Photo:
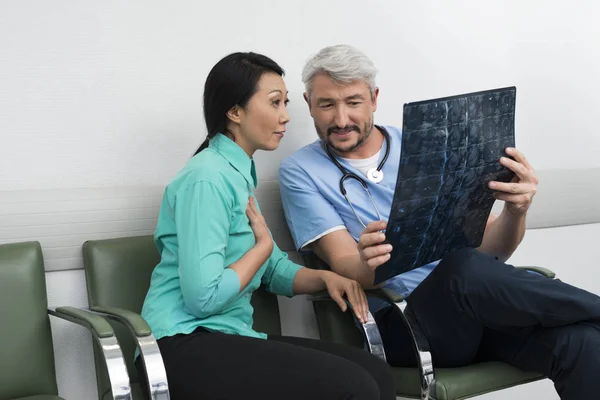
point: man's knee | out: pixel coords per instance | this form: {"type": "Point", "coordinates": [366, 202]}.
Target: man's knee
{"type": "Point", "coordinates": [466, 263]}
{"type": "Point", "coordinates": [579, 348]}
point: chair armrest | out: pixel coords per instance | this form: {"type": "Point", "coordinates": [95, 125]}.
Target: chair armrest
{"type": "Point", "coordinates": [422, 353]}
{"type": "Point", "coordinates": [540, 270]}
{"type": "Point", "coordinates": [369, 329]}
{"type": "Point", "coordinates": [321, 295]}
{"type": "Point", "coordinates": [388, 295]}
{"type": "Point", "coordinates": [133, 321]}
{"type": "Point", "coordinates": [385, 294]}
{"type": "Point", "coordinates": [94, 323]}
{"type": "Point", "coordinates": [104, 335]}
{"type": "Point", "coordinates": [427, 376]}
{"type": "Point", "coordinates": [149, 352]}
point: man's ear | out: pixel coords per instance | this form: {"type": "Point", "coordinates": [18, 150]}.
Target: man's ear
{"type": "Point", "coordinates": [234, 114]}
{"type": "Point", "coordinates": [307, 100]}
{"type": "Point", "coordinates": [374, 98]}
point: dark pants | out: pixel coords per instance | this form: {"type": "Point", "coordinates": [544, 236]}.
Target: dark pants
{"type": "Point", "coordinates": [473, 307]}
{"type": "Point", "coordinates": [205, 365]}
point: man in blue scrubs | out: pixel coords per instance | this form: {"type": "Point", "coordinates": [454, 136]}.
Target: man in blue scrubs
{"type": "Point", "coordinates": [471, 306]}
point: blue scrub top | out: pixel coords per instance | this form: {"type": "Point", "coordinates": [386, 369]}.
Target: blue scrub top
{"type": "Point", "coordinates": [314, 205]}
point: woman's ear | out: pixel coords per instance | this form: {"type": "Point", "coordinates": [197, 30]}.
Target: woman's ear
{"type": "Point", "coordinates": [234, 114]}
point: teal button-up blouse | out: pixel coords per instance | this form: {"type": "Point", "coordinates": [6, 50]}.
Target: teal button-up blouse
{"type": "Point", "coordinates": [202, 229]}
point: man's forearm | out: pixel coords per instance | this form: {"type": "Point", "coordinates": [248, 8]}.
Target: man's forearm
{"type": "Point", "coordinates": [352, 267]}
{"type": "Point", "coordinates": [348, 265]}
{"type": "Point", "coordinates": [343, 254]}
{"type": "Point", "coordinates": [503, 235]}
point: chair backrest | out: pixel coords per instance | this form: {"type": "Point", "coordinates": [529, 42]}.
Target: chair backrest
{"type": "Point", "coordinates": [26, 352]}
{"type": "Point", "coordinates": [118, 274]}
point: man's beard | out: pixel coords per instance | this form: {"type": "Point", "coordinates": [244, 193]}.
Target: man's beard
{"type": "Point", "coordinates": [362, 135]}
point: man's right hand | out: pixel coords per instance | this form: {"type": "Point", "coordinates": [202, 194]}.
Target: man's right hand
{"type": "Point", "coordinates": [372, 251]}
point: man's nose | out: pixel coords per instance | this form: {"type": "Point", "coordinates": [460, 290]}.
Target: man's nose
{"type": "Point", "coordinates": [341, 117]}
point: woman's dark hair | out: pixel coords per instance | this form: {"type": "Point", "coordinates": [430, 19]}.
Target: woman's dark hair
{"type": "Point", "coordinates": [232, 81]}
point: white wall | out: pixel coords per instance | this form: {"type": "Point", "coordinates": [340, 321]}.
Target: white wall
{"type": "Point", "coordinates": [100, 93]}
{"type": "Point", "coordinates": [108, 93]}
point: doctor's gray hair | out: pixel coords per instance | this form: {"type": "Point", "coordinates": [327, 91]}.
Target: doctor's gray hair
{"type": "Point", "coordinates": [343, 63]}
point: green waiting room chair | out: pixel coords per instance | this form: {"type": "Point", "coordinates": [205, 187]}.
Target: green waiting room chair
{"type": "Point", "coordinates": [423, 382]}
{"type": "Point", "coordinates": [118, 277]}
{"type": "Point", "coordinates": [27, 369]}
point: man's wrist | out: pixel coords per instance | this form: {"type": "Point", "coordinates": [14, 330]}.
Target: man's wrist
{"type": "Point", "coordinates": [514, 214]}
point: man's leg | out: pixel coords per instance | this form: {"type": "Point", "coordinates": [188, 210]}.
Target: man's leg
{"type": "Point", "coordinates": [569, 355]}
{"type": "Point", "coordinates": [453, 336]}
{"type": "Point", "coordinates": [396, 338]}
{"type": "Point", "coordinates": [471, 290]}
{"type": "Point", "coordinates": [499, 295]}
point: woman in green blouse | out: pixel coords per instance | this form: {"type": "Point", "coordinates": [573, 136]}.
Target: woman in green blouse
{"type": "Point", "coordinates": [216, 250]}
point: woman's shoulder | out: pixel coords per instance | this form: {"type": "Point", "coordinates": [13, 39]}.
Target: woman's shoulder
{"type": "Point", "coordinates": [206, 167]}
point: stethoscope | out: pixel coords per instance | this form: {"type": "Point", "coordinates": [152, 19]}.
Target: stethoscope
{"type": "Point", "coordinates": [373, 174]}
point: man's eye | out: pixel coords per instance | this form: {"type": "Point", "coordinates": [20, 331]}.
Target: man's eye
{"type": "Point", "coordinates": [354, 103]}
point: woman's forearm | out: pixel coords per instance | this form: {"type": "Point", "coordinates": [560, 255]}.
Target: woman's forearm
{"type": "Point", "coordinates": [309, 281]}
{"type": "Point", "coordinates": [247, 266]}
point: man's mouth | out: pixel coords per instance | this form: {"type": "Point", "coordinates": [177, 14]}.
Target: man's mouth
{"type": "Point", "coordinates": [342, 132]}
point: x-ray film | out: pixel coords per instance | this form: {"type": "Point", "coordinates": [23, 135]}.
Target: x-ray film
{"type": "Point", "coordinates": [451, 149]}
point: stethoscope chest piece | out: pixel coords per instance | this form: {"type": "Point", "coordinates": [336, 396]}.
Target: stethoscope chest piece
{"type": "Point", "coordinates": [375, 175]}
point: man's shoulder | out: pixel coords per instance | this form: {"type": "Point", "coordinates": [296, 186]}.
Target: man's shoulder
{"type": "Point", "coordinates": [393, 130]}
{"type": "Point", "coordinates": [304, 156]}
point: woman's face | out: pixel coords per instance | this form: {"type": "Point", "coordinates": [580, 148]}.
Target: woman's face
{"type": "Point", "coordinates": [262, 122]}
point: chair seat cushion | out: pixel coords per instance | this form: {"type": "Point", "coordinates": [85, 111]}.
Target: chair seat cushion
{"type": "Point", "coordinates": [464, 382]}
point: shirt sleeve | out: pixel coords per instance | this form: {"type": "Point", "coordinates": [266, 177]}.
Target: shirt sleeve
{"type": "Point", "coordinates": [280, 273]}
{"type": "Point", "coordinates": [202, 218]}
{"type": "Point", "coordinates": [309, 215]}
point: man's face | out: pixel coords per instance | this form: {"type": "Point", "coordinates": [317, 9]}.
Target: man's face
{"type": "Point", "coordinates": [343, 113]}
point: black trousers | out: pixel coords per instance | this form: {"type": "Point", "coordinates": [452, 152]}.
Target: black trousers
{"type": "Point", "coordinates": [473, 307]}
{"type": "Point", "coordinates": [209, 365]}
